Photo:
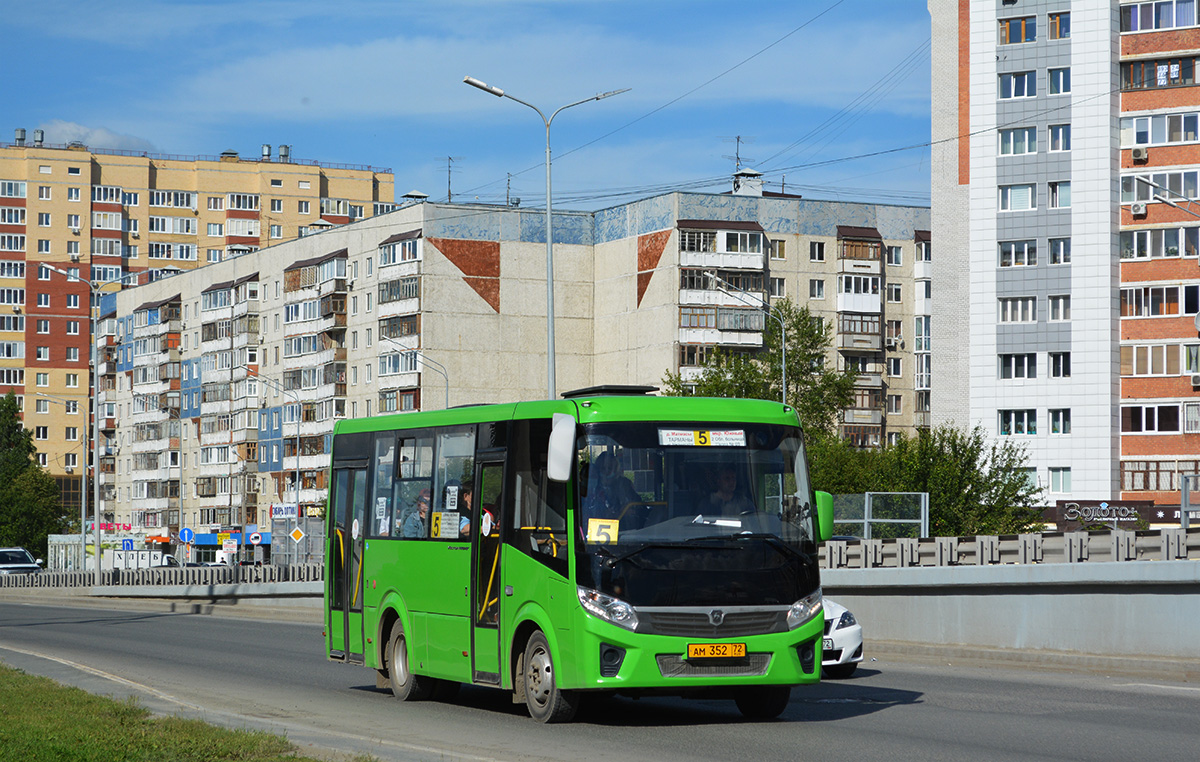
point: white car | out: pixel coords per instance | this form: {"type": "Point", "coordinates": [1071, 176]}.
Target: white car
{"type": "Point", "coordinates": [843, 646]}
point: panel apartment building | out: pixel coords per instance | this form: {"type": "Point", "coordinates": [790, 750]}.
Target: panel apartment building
{"type": "Point", "coordinates": [1064, 202]}
{"type": "Point", "coordinates": [120, 218]}
{"type": "Point", "coordinates": [229, 381]}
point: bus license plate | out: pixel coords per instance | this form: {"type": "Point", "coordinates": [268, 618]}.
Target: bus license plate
{"type": "Point", "coordinates": [716, 650]}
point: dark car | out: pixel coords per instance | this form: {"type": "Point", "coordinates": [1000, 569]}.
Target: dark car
{"type": "Point", "coordinates": [18, 561]}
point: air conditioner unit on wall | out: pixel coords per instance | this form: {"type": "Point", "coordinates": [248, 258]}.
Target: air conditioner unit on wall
{"type": "Point", "coordinates": [890, 343]}
{"type": "Point", "coordinates": [1196, 380]}
{"type": "Point", "coordinates": [1140, 153]}
{"type": "Point", "coordinates": [1138, 209]}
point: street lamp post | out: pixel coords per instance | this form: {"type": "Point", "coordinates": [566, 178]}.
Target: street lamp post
{"type": "Point", "coordinates": [83, 493]}
{"type": "Point", "coordinates": [296, 399]}
{"type": "Point", "coordinates": [95, 371]}
{"type": "Point", "coordinates": [766, 308]}
{"type": "Point", "coordinates": [433, 365]}
{"type": "Point", "coordinates": [549, 235]}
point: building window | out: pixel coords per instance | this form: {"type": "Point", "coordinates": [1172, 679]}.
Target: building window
{"type": "Point", "coordinates": [1018, 366]}
{"type": "Point", "coordinates": [894, 295]}
{"type": "Point", "coordinates": [1021, 309]}
{"type": "Point", "coordinates": [1162, 14]}
{"type": "Point", "coordinates": [43, 300]}
{"type": "Point", "coordinates": [73, 301]}
{"type": "Point", "coordinates": [778, 250]}
{"type": "Point", "coordinates": [1060, 81]}
{"type": "Point", "coordinates": [1060, 137]}
{"type": "Point", "coordinates": [1013, 31]}
{"type": "Point", "coordinates": [1018, 253]}
{"type": "Point", "coordinates": [44, 193]}
{"type": "Point", "coordinates": [72, 354]}
{"type": "Point", "coordinates": [894, 404]}
{"type": "Point", "coordinates": [1060, 26]}
{"type": "Point", "coordinates": [276, 204]}
{"type": "Point", "coordinates": [816, 251]}
{"type": "Point", "coordinates": [72, 194]}
{"type": "Point", "coordinates": [895, 255]}
{"type": "Point", "coordinates": [1017, 198]}
{"type": "Point", "coordinates": [1060, 308]}
{"type": "Point", "coordinates": [778, 288]}
{"type": "Point", "coordinates": [215, 229]}
{"type": "Point", "coordinates": [1060, 479]}
{"type": "Point", "coordinates": [1060, 251]}
{"type": "Point", "coordinates": [1150, 419]}
{"type": "Point", "coordinates": [924, 251]}
{"type": "Point", "coordinates": [1060, 364]}
{"type": "Point", "coordinates": [43, 246]}
{"type": "Point", "coordinates": [1161, 129]}
{"type": "Point", "coordinates": [816, 289]}
{"type": "Point", "coordinates": [277, 231]}
{"type": "Point", "coordinates": [1018, 422]}
{"type": "Point", "coordinates": [1019, 85]}
{"type": "Point", "coordinates": [893, 367]}
{"type": "Point", "coordinates": [42, 353]}
{"type": "Point", "coordinates": [71, 434]}
{"type": "Point", "coordinates": [72, 381]}
{"type": "Point", "coordinates": [1060, 194]}
{"type": "Point", "coordinates": [43, 219]}
{"type": "Point", "coordinates": [302, 207]}
{"type": "Point", "coordinates": [1060, 421]}
{"type": "Point", "coordinates": [1022, 140]}
{"type": "Point", "coordinates": [1152, 359]}
{"type": "Point", "coordinates": [1166, 72]}
{"type": "Point", "coordinates": [41, 432]}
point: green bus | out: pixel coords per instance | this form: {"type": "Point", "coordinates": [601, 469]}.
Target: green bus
{"type": "Point", "coordinates": [610, 542]}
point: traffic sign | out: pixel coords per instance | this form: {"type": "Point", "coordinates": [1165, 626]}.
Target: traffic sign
{"type": "Point", "coordinates": [127, 544]}
{"type": "Point", "coordinates": [229, 546]}
{"type": "Point", "coordinates": [187, 535]}
{"type": "Point", "coordinates": [297, 534]}
{"type": "Point", "coordinates": [255, 538]}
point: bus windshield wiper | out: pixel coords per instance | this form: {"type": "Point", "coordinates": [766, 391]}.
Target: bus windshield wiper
{"type": "Point", "coordinates": [770, 538]}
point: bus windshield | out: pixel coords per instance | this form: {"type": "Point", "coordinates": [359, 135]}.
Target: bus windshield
{"type": "Point", "coordinates": [695, 514]}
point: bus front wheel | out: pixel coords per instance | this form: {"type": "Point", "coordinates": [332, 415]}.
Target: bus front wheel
{"type": "Point", "coordinates": [545, 700]}
{"type": "Point", "coordinates": [765, 703]}
{"type": "Point", "coordinates": [405, 685]}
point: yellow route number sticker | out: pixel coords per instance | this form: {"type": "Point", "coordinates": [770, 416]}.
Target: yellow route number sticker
{"type": "Point", "coordinates": [603, 531]}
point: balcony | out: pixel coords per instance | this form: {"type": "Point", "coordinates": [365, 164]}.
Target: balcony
{"type": "Point", "coordinates": [922, 420]}
{"type": "Point", "coordinates": [333, 286]}
{"type": "Point", "coordinates": [862, 416]}
{"type": "Point", "coordinates": [860, 342]}
{"type": "Point", "coordinates": [869, 379]}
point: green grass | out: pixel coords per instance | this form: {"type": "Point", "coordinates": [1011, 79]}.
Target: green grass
{"type": "Point", "coordinates": [41, 721]}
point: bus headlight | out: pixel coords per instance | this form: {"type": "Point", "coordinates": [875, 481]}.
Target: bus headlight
{"type": "Point", "coordinates": [608, 608]}
{"type": "Point", "coordinates": [804, 609]}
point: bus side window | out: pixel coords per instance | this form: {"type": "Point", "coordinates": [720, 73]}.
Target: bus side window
{"type": "Point", "coordinates": [413, 487]}
{"type": "Point", "coordinates": [536, 506]}
{"type": "Point", "coordinates": [380, 516]}
{"type": "Point", "coordinates": [454, 475]}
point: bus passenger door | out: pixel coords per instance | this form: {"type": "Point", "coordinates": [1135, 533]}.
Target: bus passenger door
{"type": "Point", "coordinates": [345, 564]}
{"type": "Point", "coordinates": [485, 573]}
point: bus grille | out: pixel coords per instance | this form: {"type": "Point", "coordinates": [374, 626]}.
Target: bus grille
{"type": "Point", "coordinates": [696, 623]}
{"type": "Point", "coordinates": [674, 665]}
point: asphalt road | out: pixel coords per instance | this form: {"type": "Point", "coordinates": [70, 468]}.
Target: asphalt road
{"type": "Point", "coordinates": [273, 675]}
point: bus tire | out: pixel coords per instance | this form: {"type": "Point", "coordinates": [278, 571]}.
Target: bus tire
{"type": "Point", "coordinates": [405, 685]}
{"type": "Point", "coordinates": [545, 700]}
{"type": "Point", "coordinates": [765, 703]}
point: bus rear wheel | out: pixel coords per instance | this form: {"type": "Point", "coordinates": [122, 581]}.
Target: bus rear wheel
{"type": "Point", "coordinates": [405, 685]}
{"type": "Point", "coordinates": [545, 700]}
{"type": "Point", "coordinates": [765, 703]}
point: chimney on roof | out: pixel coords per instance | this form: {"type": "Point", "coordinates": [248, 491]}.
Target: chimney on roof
{"type": "Point", "coordinates": [20, 134]}
{"type": "Point", "coordinates": [285, 153]}
{"type": "Point", "coordinates": [266, 151]}
{"type": "Point", "coordinates": [39, 136]}
{"type": "Point", "coordinates": [747, 182]}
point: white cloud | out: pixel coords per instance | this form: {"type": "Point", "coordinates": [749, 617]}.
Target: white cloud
{"type": "Point", "coordinates": [59, 131]}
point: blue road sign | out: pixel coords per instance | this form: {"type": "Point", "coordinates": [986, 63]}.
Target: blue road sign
{"type": "Point", "coordinates": [126, 544]}
{"type": "Point", "coordinates": [186, 535]}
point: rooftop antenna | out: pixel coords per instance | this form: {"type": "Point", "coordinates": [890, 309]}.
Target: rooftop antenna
{"type": "Point", "coordinates": [737, 157]}
{"type": "Point", "coordinates": [449, 163]}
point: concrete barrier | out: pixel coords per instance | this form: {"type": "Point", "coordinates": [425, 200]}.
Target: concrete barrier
{"type": "Point", "coordinates": [1148, 609]}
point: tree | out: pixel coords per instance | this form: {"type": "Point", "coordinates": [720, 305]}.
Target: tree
{"type": "Point", "coordinates": [818, 392]}
{"type": "Point", "coordinates": [30, 510]}
{"type": "Point", "coordinates": [975, 487]}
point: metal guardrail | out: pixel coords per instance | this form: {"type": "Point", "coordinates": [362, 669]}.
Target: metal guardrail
{"type": "Point", "coordinates": [193, 576]}
{"type": "Point", "coordinates": [1038, 548]}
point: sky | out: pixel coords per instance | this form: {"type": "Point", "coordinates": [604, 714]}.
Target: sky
{"type": "Point", "coordinates": [830, 97]}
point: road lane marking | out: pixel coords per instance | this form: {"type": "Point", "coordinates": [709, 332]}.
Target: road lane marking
{"type": "Point", "coordinates": [1156, 685]}
{"type": "Point", "coordinates": [106, 675]}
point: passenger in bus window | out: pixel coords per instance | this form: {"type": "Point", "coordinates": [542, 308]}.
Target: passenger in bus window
{"type": "Point", "coordinates": [415, 525]}
{"type": "Point", "coordinates": [464, 510]}
{"type": "Point", "coordinates": [726, 499]}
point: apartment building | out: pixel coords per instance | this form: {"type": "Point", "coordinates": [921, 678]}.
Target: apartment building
{"type": "Point", "coordinates": [120, 218]}
{"type": "Point", "coordinates": [1064, 189]}
{"type": "Point", "coordinates": [226, 384]}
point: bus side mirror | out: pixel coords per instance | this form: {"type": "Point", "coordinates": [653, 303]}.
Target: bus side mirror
{"type": "Point", "coordinates": [824, 516]}
{"type": "Point", "coordinates": [560, 453]}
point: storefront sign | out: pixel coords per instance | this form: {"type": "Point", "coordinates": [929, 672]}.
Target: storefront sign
{"type": "Point", "coordinates": [1070, 515]}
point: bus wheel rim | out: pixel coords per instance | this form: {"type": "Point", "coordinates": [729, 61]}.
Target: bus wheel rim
{"type": "Point", "coordinates": [400, 662]}
{"type": "Point", "coordinates": [541, 676]}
